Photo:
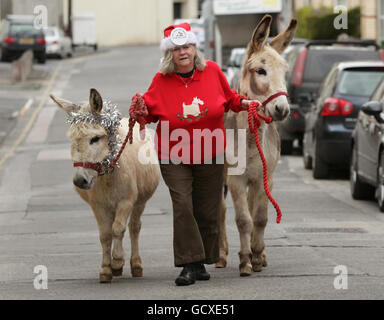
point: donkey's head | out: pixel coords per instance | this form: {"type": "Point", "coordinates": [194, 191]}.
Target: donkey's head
{"type": "Point", "coordinates": [89, 139]}
{"type": "Point", "coordinates": [263, 72]}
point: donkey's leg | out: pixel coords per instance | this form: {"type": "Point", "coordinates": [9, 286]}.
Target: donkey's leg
{"type": "Point", "coordinates": [134, 231]}
{"type": "Point", "coordinates": [104, 221]}
{"type": "Point", "coordinates": [260, 218]}
{"type": "Point", "coordinates": [118, 230]}
{"type": "Point", "coordinates": [238, 188]}
{"type": "Point", "coordinates": [222, 263]}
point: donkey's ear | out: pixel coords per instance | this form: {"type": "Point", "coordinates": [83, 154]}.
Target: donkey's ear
{"type": "Point", "coordinates": [282, 41]}
{"type": "Point", "coordinates": [260, 34]}
{"type": "Point", "coordinates": [66, 105]}
{"type": "Point", "coordinates": [95, 101]}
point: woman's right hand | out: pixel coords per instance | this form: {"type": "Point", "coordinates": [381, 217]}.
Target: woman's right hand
{"type": "Point", "coordinates": [138, 110]}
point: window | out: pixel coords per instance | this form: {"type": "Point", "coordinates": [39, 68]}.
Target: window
{"type": "Point", "coordinates": [360, 82]}
{"type": "Point", "coordinates": [177, 10]}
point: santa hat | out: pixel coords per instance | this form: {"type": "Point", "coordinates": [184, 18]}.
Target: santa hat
{"type": "Point", "coordinates": [177, 35]}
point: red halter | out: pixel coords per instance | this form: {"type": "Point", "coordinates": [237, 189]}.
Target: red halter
{"type": "Point", "coordinates": [274, 96]}
{"type": "Point", "coordinates": [98, 166]}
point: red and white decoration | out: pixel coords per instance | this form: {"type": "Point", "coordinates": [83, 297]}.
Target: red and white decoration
{"type": "Point", "coordinates": [177, 35]}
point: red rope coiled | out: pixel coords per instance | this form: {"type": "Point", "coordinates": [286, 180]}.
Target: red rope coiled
{"type": "Point", "coordinates": [137, 113]}
{"type": "Point", "coordinates": [254, 121]}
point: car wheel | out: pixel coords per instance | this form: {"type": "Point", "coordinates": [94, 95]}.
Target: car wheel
{"type": "Point", "coordinates": [380, 183]}
{"type": "Point", "coordinates": [320, 169]}
{"type": "Point", "coordinates": [42, 59]}
{"type": "Point", "coordinates": [359, 190]}
{"type": "Point", "coordinates": [286, 146]}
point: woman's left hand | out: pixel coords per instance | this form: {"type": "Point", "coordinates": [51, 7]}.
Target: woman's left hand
{"type": "Point", "coordinates": [245, 103]}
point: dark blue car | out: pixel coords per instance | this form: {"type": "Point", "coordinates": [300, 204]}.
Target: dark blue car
{"type": "Point", "coordinates": [331, 120]}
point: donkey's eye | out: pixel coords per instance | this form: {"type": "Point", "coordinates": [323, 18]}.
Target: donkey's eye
{"type": "Point", "coordinates": [94, 139]}
{"type": "Point", "coordinates": [261, 71]}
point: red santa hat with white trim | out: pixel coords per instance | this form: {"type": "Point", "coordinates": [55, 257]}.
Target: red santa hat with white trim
{"type": "Point", "coordinates": [177, 35]}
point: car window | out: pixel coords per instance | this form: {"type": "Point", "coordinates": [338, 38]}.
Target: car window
{"type": "Point", "coordinates": [360, 82]}
{"type": "Point", "coordinates": [378, 95]}
{"type": "Point", "coordinates": [239, 59]}
{"type": "Point", "coordinates": [319, 62]}
{"type": "Point", "coordinates": [22, 30]}
{"type": "Point", "coordinates": [328, 83]}
{"type": "Point", "coordinates": [49, 32]}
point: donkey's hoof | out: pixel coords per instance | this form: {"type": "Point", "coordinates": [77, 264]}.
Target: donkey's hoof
{"type": "Point", "coordinates": [105, 278]}
{"type": "Point", "coordinates": [222, 263]}
{"type": "Point", "coordinates": [264, 260]}
{"type": "Point", "coordinates": [137, 272]}
{"type": "Point", "coordinates": [257, 267]}
{"type": "Point", "coordinates": [245, 270]}
{"type": "Point", "coordinates": [117, 272]}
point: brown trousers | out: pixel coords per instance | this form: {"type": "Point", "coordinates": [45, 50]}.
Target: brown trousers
{"type": "Point", "coordinates": [196, 192]}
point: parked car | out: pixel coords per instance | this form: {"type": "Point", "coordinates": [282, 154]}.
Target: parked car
{"type": "Point", "coordinates": [330, 122]}
{"type": "Point", "coordinates": [295, 42]}
{"type": "Point", "coordinates": [367, 155]}
{"type": "Point", "coordinates": [234, 65]}
{"type": "Point", "coordinates": [18, 35]}
{"type": "Point", "coordinates": [57, 43]}
{"type": "Point", "coordinates": [308, 66]}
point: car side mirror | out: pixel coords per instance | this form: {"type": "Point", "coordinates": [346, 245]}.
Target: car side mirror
{"type": "Point", "coordinates": [372, 108]}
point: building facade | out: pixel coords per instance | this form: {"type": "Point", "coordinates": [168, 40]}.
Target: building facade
{"type": "Point", "coordinates": [121, 22]}
{"type": "Point", "coordinates": [118, 22]}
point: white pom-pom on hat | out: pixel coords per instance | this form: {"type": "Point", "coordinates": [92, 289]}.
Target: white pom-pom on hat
{"type": "Point", "coordinates": [177, 35]}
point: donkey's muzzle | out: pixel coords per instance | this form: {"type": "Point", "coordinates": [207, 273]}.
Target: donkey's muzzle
{"type": "Point", "coordinates": [82, 183]}
{"type": "Point", "coordinates": [281, 112]}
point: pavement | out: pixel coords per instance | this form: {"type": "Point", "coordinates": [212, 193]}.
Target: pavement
{"type": "Point", "coordinates": [44, 222]}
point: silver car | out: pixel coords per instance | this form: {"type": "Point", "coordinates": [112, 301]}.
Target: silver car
{"type": "Point", "coordinates": [57, 43]}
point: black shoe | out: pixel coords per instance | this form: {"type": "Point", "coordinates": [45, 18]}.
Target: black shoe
{"type": "Point", "coordinates": [187, 276]}
{"type": "Point", "coordinates": [201, 273]}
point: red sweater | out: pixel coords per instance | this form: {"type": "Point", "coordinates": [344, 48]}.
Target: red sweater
{"type": "Point", "coordinates": [199, 106]}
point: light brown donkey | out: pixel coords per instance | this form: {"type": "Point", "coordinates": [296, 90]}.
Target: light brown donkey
{"type": "Point", "coordinates": [262, 76]}
{"type": "Point", "coordinates": [114, 195]}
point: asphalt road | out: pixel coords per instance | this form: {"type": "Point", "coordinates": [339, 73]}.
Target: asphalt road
{"type": "Point", "coordinates": [44, 222]}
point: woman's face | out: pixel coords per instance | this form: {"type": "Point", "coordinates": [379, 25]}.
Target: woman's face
{"type": "Point", "coordinates": [183, 57]}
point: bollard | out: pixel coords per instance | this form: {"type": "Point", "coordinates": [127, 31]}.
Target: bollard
{"type": "Point", "coordinates": [22, 67]}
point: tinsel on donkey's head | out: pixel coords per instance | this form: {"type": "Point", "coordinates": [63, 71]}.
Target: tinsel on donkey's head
{"type": "Point", "coordinates": [109, 118]}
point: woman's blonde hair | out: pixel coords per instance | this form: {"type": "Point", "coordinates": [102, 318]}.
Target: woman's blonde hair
{"type": "Point", "coordinates": [167, 65]}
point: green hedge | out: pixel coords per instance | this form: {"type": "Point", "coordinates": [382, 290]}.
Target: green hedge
{"type": "Point", "coordinates": [318, 24]}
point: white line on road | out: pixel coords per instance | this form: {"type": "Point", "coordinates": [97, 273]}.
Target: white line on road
{"type": "Point", "coordinates": [26, 107]}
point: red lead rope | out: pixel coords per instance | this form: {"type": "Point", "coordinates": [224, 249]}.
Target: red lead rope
{"type": "Point", "coordinates": [254, 121]}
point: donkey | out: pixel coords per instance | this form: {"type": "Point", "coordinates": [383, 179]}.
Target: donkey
{"type": "Point", "coordinates": [114, 196]}
{"type": "Point", "coordinates": [262, 75]}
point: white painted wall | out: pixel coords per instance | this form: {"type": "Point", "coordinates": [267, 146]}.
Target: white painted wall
{"type": "Point", "coordinates": [120, 22]}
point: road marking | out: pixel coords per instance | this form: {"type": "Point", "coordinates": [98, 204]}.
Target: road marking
{"type": "Point", "coordinates": [33, 117]}
{"type": "Point", "coordinates": [39, 132]}
{"type": "Point", "coordinates": [26, 107]}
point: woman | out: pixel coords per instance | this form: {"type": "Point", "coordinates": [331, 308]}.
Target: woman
{"type": "Point", "coordinates": [189, 97]}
